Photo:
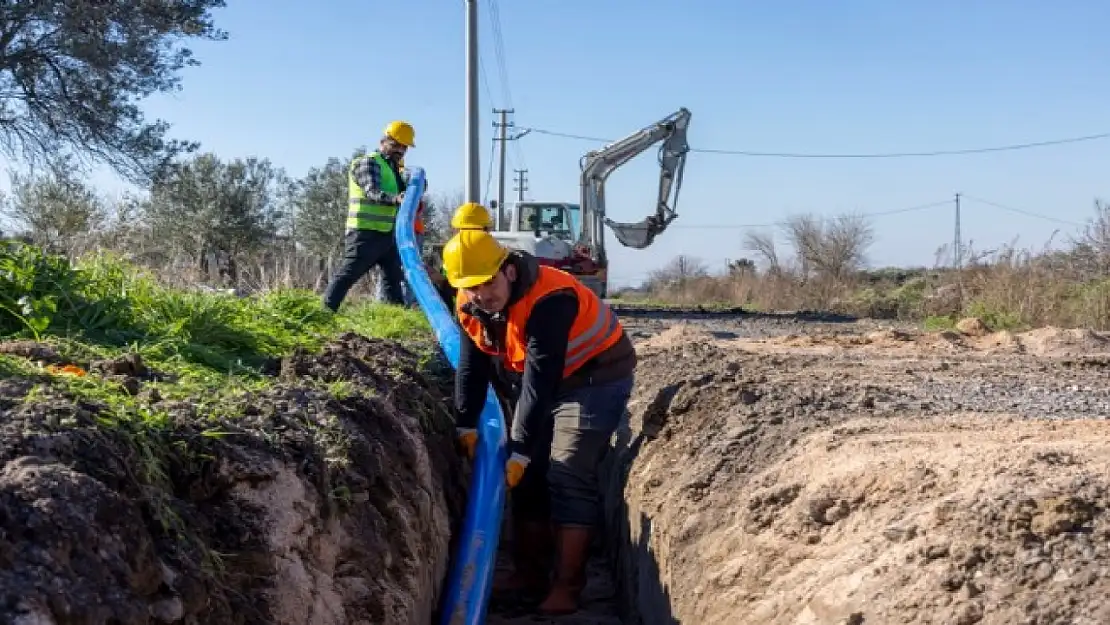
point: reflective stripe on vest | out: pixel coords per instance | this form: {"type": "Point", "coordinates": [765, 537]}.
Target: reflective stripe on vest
{"type": "Point", "coordinates": [362, 214]}
{"type": "Point", "coordinates": [588, 344]}
{"type": "Point", "coordinates": [595, 328]}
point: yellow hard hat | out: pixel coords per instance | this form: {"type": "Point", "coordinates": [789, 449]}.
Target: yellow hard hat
{"type": "Point", "coordinates": [472, 257]}
{"type": "Point", "coordinates": [471, 216]}
{"type": "Point", "coordinates": [401, 132]}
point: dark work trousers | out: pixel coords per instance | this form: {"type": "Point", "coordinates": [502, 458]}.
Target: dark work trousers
{"type": "Point", "coordinates": [364, 249]}
{"type": "Point", "coordinates": [410, 294]}
{"type": "Point", "coordinates": [561, 483]}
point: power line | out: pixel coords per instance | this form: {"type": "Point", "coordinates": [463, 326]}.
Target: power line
{"type": "Point", "coordinates": [489, 172]}
{"type": "Point", "coordinates": [485, 78]}
{"type": "Point", "coordinates": [1020, 211]}
{"type": "Point", "coordinates": [499, 51]}
{"type": "Point", "coordinates": [983, 150]}
{"type": "Point", "coordinates": [958, 244]}
{"type": "Point", "coordinates": [897, 211]}
{"type": "Point", "coordinates": [502, 66]}
{"type": "Point", "coordinates": [489, 96]}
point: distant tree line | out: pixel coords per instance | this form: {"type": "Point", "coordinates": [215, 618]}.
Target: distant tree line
{"type": "Point", "coordinates": [229, 219]}
{"type": "Point", "coordinates": [72, 74]}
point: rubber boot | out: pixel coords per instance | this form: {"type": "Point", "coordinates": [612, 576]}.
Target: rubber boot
{"type": "Point", "coordinates": [571, 553]}
{"type": "Point", "coordinates": [531, 553]}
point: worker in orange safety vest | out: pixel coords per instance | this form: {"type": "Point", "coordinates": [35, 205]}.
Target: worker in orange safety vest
{"type": "Point", "coordinates": [575, 366]}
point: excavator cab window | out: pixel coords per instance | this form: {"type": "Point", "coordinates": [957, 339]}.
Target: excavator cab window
{"type": "Point", "coordinates": [558, 220]}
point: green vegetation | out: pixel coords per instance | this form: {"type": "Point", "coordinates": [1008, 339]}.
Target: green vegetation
{"type": "Point", "coordinates": [148, 386]}
{"type": "Point", "coordinates": [937, 323]}
{"type": "Point", "coordinates": [822, 268]}
{"type": "Point", "coordinates": [199, 343]}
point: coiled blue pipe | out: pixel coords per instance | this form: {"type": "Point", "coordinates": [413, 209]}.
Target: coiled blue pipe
{"type": "Point", "coordinates": [471, 574]}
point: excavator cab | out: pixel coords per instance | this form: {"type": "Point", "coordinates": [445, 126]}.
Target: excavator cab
{"type": "Point", "coordinates": [571, 236]}
{"type": "Point", "coordinates": [559, 220]}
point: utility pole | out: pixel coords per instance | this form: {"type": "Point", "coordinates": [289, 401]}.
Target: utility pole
{"type": "Point", "coordinates": [521, 183]}
{"type": "Point", "coordinates": [957, 241]}
{"type": "Point", "coordinates": [503, 137]}
{"type": "Point", "coordinates": [957, 256]}
{"type": "Point", "coordinates": [503, 126]}
{"type": "Point", "coordinates": [471, 155]}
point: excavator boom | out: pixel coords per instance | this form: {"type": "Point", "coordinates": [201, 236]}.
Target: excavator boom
{"type": "Point", "coordinates": [599, 164]}
{"type": "Point", "coordinates": [572, 237]}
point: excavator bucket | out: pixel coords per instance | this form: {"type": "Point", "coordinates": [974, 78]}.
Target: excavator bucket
{"type": "Point", "coordinates": [637, 235]}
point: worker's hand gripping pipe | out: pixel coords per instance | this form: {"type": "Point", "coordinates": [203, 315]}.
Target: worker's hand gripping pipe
{"type": "Point", "coordinates": [471, 573]}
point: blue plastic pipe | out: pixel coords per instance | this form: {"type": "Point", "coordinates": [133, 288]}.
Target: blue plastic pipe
{"type": "Point", "coordinates": [466, 595]}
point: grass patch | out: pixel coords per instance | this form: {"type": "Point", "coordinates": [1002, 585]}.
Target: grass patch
{"type": "Point", "coordinates": [205, 344]}
{"type": "Point", "coordinates": [136, 346]}
{"type": "Point", "coordinates": [937, 323]}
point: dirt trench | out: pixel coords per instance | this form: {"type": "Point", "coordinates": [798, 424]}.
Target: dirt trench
{"type": "Point", "coordinates": [328, 499]}
{"type": "Point", "coordinates": [779, 472]}
{"type": "Point", "coordinates": [774, 471]}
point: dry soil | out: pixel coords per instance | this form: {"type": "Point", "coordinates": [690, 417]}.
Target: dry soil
{"type": "Point", "coordinates": [326, 499]}
{"type": "Point", "coordinates": [781, 472]}
{"type": "Point", "coordinates": [776, 470]}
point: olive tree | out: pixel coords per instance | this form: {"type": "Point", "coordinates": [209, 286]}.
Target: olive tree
{"type": "Point", "coordinates": [72, 73]}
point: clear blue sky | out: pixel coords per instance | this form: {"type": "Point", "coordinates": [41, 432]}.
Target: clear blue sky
{"type": "Point", "coordinates": [299, 82]}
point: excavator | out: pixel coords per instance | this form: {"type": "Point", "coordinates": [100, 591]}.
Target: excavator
{"type": "Point", "coordinates": [571, 237]}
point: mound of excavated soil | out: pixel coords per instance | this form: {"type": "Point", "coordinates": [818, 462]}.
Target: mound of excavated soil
{"type": "Point", "coordinates": [793, 487]}
{"type": "Point", "coordinates": [1071, 342]}
{"type": "Point", "coordinates": [970, 335]}
{"type": "Point", "coordinates": [924, 522]}
{"type": "Point", "coordinates": [678, 334]}
{"type": "Point", "coordinates": [300, 506]}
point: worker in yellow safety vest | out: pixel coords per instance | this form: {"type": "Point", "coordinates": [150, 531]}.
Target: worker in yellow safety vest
{"type": "Point", "coordinates": [576, 366]}
{"type": "Point", "coordinates": [376, 186]}
{"type": "Point", "coordinates": [419, 229]}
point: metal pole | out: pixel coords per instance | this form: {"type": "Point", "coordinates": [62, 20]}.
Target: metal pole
{"type": "Point", "coordinates": [957, 240]}
{"type": "Point", "coordinates": [958, 257]}
{"type": "Point", "coordinates": [522, 184]}
{"type": "Point", "coordinates": [504, 139]}
{"type": "Point", "coordinates": [472, 154]}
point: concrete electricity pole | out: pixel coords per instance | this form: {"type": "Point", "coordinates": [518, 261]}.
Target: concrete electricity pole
{"type": "Point", "coordinates": [503, 126]}
{"type": "Point", "coordinates": [504, 138]}
{"type": "Point", "coordinates": [958, 256]}
{"type": "Point", "coordinates": [957, 240]}
{"type": "Point", "coordinates": [521, 183]}
{"type": "Point", "coordinates": [471, 155]}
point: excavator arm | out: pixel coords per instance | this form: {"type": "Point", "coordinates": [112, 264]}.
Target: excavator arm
{"type": "Point", "coordinates": [599, 164]}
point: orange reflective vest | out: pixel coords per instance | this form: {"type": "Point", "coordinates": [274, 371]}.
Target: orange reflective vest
{"type": "Point", "coordinates": [418, 225]}
{"type": "Point", "coordinates": [595, 329]}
